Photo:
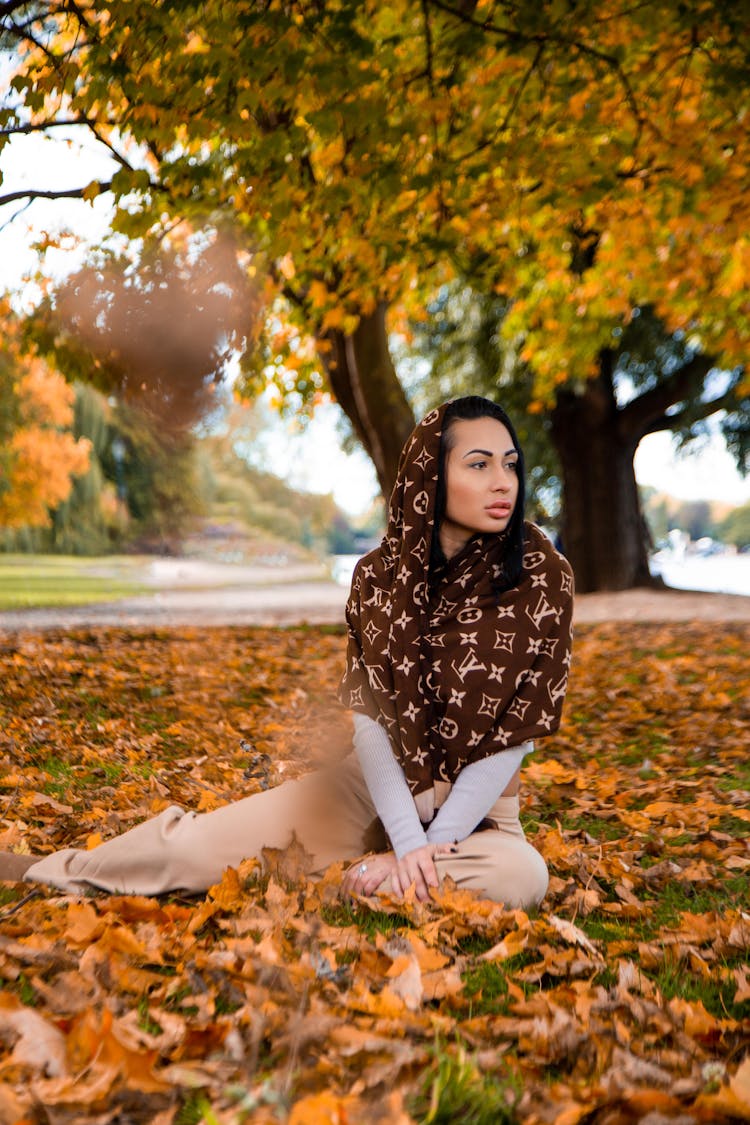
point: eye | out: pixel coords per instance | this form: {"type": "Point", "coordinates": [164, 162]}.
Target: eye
{"type": "Point", "coordinates": [477, 464]}
{"type": "Point", "coordinates": [512, 465]}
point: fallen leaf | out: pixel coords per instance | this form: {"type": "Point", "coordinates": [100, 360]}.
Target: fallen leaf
{"type": "Point", "coordinates": [37, 1043]}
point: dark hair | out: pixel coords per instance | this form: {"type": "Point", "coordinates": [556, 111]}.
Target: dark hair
{"type": "Point", "coordinates": [467, 409]}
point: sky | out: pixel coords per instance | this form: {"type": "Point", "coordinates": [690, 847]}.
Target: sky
{"type": "Point", "coordinates": [309, 459]}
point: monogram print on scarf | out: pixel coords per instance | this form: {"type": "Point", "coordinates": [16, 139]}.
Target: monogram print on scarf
{"type": "Point", "coordinates": [456, 672]}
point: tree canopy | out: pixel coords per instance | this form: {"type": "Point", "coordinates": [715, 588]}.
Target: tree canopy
{"type": "Point", "coordinates": [586, 158]}
{"type": "Point", "coordinates": [582, 161]}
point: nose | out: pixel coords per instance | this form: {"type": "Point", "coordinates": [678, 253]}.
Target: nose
{"type": "Point", "coordinates": [502, 480]}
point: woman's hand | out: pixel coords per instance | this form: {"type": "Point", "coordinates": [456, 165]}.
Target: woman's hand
{"type": "Point", "coordinates": [418, 867]}
{"type": "Point", "coordinates": [366, 875]}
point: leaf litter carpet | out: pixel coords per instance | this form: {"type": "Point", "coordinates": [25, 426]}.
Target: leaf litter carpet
{"type": "Point", "coordinates": [625, 999]}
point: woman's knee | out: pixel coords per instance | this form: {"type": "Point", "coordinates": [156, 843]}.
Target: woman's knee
{"type": "Point", "coordinates": [515, 875]}
{"type": "Point", "coordinates": [529, 883]}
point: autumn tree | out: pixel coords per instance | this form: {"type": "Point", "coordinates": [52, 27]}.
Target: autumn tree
{"type": "Point", "coordinates": [583, 161]}
{"type": "Point", "coordinates": [40, 455]}
{"type": "Point", "coordinates": [84, 522]}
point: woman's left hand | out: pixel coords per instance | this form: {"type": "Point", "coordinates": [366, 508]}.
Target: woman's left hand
{"type": "Point", "coordinates": [366, 875]}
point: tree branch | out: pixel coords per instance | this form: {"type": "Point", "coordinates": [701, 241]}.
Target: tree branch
{"type": "Point", "coordinates": [94, 126]}
{"type": "Point", "coordinates": [43, 126]}
{"type": "Point", "coordinates": [693, 413]}
{"type": "Point", "coordinates": [542, 38]}
{"type": "Point", "coordinates": [69, 193]}
{"type": "Point", "coordinates": [638, 416]}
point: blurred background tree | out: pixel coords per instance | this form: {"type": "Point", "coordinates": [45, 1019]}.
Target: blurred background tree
{"type": "Point", "coordinates": [40, 453]}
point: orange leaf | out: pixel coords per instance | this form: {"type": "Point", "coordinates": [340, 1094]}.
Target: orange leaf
{"type": "Point", "coordinates": [321, 1109]}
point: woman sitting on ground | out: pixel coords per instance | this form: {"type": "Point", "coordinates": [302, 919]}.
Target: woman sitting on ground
{"type": "Point", "coordinates": [458, 655]}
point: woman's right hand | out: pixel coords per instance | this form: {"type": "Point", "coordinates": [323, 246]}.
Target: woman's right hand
{"type": "Point", "coordinates": [366, 875]}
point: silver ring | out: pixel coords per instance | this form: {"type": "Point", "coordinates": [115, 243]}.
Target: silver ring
{"type": "Point", "coordinates": [362, 868]}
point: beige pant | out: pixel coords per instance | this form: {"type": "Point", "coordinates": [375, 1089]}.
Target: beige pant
{"type": "Point", "coordinates": [333, 817]}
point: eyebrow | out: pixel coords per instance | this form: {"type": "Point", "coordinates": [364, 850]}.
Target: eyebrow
{"type": "Point", "coordinates": [489, 453]}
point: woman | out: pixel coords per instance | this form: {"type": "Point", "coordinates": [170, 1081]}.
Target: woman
{"type": "Point", "coordinates": [458, 653]}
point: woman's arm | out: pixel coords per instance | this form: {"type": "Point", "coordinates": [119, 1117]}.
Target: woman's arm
{"type": "Point", "coordinates": [413, 858]}
{"type": "Point", "coordinates": [474, 792]}
{"type": "Point", "coordinates": [387, 786]}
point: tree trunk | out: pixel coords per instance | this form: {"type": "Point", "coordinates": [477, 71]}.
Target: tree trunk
{"type": "Point", "coordinates": [364, 381]}
{"type": "Point", "coordinates": [603, 530]}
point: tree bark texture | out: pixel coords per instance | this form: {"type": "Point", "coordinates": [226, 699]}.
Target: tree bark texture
{"type": "Point", "coordinates": [603, 529]}
{"type": "Point", "coordinates": [364, 381]}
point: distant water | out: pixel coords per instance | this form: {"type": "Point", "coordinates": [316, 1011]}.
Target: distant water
{"type": "Point", "coordinates": [342, 568]}
{"type": "Point", "coordinates": [718, 574]}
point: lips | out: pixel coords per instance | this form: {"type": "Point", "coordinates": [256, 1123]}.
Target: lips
{"type": "Point", "coordinates": [501, 509]}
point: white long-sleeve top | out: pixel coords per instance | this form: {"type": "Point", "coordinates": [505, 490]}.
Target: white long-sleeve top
{"type": "Point", "coordinates": [472, 795]}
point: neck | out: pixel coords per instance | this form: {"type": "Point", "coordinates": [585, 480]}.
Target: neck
{"type": "Point", "coordinates": [451, 542]}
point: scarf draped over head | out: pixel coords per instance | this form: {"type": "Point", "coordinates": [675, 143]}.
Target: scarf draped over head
{"type": "Point", "coordinates": [453, 670]}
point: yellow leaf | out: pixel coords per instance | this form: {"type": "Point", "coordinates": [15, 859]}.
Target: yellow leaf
{"type": "Point", "coordinates": [196, 45]}
{"type": "Point", "coordinates": [511, 944]}
{"type": "Point", "coordinates": [91, 191]}
{"type": "Point", "coordinates": [334, 318]}
{"type": "Point", "coordinates": [228, 893]}
{"type": "Point", "coordinates": [318, 294]}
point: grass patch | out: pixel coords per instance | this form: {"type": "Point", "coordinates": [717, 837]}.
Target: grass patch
{"type": "Point", "coordinates": [61, 777]}
{"type": "Point", "coordinates": [486, 984]}
{"type": "Point", "coordinates": [107, 773]}
{"type": "Point", "coordinates": [195, 1110]}
{"type": "Point", "coordinates": [635, 753]}
{"type": "Point", "coordinates": [548, 814]}
{"type": "Point", "coordinates": [10, 894]}
{"type": "Point", "coordinates": [145, 1020]}
{"type": "Point", "coordinates": [33, 581]}
{"type": "Point", "coordinates": [675, 979]}
{"type": "Point", "coordinates": [26, 991]}
{"type": "Point", "coordinates": [739, 778]}
{"type": "Point", "coordinates": [732, 826]}
{"type": "Point", "coordinates": [678, 898]}
{"type": "Point", "coordinates": [604, 929]}
{"type": "Point", "coordinates": [486, 989]}
{"type": "Point", "coordinates": [369, 922]}
{"type": "Point", "coordinates": [454, 1089]}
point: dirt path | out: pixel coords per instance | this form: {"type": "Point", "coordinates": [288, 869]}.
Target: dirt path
{"type": "Point", "coordinates": [186, 595]}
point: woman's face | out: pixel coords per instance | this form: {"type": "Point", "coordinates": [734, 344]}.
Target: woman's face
{"type": "Point", "coordinates": [481, 481]}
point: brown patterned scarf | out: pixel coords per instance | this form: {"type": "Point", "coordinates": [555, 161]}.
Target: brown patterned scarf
{"type": "Point", "coordinates": [457, 672]}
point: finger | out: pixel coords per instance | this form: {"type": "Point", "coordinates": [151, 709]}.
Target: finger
{"type": "Point", "coordinates": [423, 884]}
{"type": "Point", "coordinates": [415, 878]}
{"type": "Point", "coordinates": [429, 872]}
{"type": "Point", "coordinates": [371, 883]}
{"type": "Point", "coordinates": [351, 883]}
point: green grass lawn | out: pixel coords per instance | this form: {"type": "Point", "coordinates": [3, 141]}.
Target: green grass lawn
{"type": "Point", "coordinates": [59, 580]}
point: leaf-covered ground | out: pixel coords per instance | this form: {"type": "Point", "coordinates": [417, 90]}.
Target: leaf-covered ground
{"type": "Point", "coordinates": [625, 999]}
